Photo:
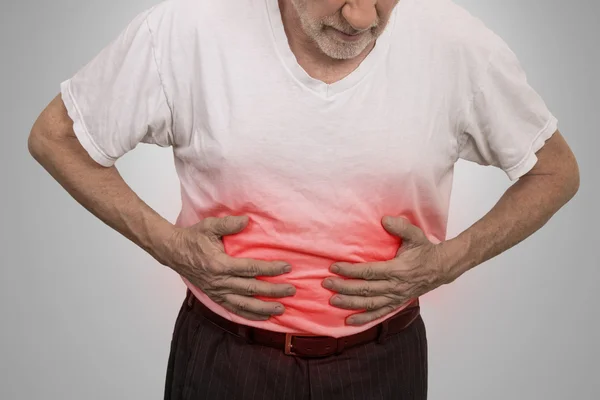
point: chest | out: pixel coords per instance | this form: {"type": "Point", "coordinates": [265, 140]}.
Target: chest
{"type": "Point", "coordinates": [258, 119]}
{"type": "Point", "coordinates": [287, 136]}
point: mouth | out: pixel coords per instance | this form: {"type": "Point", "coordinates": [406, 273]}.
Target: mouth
{"type": "Point", "coordinates": [350, 33]}
{"type": "Point", "coordinates": [347, 36]}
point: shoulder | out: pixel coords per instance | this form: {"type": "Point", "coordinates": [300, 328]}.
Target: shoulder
{"type": "Point", "coordinates": [169, 15]}
{"type": "Point", "coordinates": [451, 30]}
{"type": "Point", "coordinates": [443, 37]}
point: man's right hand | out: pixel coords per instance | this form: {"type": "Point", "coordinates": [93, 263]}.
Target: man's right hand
{"type": "Point", "coordinates": [197, 253]}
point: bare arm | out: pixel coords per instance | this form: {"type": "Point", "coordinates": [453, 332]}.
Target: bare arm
{"type": "Point", "coordinates": [99, 189]}
{"type": "Point", "coordinates": [523, 209]}
{"type": "Point", "coordinates": [194, 252]}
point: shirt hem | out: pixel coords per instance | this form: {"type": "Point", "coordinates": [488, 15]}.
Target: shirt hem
{"type": "Point", "coordinates": [84, 137]}
{"type": "Point", "coordinates": [530, 159]}
{"type": "Point", "coordinates": [269, 325]}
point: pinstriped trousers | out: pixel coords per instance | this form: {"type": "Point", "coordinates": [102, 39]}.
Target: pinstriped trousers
{"type": "Point", "coordinates": [207, 362]}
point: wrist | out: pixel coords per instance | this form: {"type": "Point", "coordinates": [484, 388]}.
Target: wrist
{"type": "Point", "coordinates": [455, 256]}
{"type": "Point", "coordinates": [161, 241]}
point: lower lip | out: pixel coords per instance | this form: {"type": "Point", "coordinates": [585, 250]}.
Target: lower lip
{"type": "Point", "coordinates": [349, 38]}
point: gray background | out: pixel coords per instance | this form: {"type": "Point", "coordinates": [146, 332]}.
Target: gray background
{"type": "Point", "coordinates": [88, 315]}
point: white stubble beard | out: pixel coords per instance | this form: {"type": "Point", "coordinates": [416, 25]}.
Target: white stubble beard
{"type": "Point", "coordinates": [330, 46]}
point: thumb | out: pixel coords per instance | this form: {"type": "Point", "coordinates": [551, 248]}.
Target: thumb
{"type": "Point", "coordinates": [401, 227]}
{"type": "Point", "coordinates": [227, 225]}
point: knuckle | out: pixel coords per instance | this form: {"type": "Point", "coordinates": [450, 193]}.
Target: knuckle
{"type": "Point", "coordinates": [211, 267]}
{"type": "Point", "coordinates": [242, 305]}
{"type": "Point", "coordinates": [228, 270]}
{"type": "Point", "coordinates": [220, 283]}
{"type": "Point", "coordinates": [368, 274]}
{"type": "Point", "coordinates": [364, 291]}
{"type": "Point", "coordinates": [214, 239]}
{"type": "Point", "coordinates": [251, 289]}
{"type": "Point", "coordinates": [221, 266]}
{"type": "Point", "coordinates": [254, 269]}
{"type": "Point", "coordinates": [211, 282]}
{"type": "Point", "coordinates": [217, 298]}
{"type": "Point", "coordinates": [434, 279]}
{"type": "Point", "coordinates": [220, 225]}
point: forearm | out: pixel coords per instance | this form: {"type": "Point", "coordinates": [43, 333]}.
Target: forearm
{"type": "Point", "coordinates": [523, 209]}
{"type": "Point", "coordinates": [101, 190]}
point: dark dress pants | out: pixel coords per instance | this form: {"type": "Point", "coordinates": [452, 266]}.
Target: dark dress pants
{"type": "Point", "coordinates": [207, 362]}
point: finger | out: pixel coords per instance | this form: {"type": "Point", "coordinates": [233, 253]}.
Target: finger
{"type": "Point", "coordinates": [246, 314]}
{"type": "Point", "coordinates": [368, 316]}
{"type": "Point", "coordinates": [402, 227]}
{"type": "Point", "coordinates": [369, 271]}
{"type": "Point", "coordinates": [358, 287]}
{"type": "Point", "coordinates": [227, 225]}
{"type": "Point", "coordinates": [256, 287]}
{"type": "Point", "coordinates": [249, 267]}
{"type": "Point", "coordinates": [359, 302]}
{"type": "Point", "coordinates": [244, 304]}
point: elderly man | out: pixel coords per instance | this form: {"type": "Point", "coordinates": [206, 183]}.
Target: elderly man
{"type": "Point", "coordinates": [315, 142]}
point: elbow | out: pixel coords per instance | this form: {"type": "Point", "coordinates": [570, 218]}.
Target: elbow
{"type": "Point", "coordinates": [35, 143]}
{"type": "Point", "coordinates": [570, 179]}
{"type": "Point", "coordinates": [38, 141]}
{"type": "Point", "coordinates": [575, 180]}
{"type": "Point", "coordinates": [51, 125]}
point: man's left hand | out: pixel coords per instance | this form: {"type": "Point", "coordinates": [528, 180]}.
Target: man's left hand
{"type": "Point", "coordinates": [382, 287]}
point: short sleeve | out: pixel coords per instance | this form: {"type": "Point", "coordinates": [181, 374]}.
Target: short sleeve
{"type": "Point", "coordinates": [506, 121]}
{"type": "Point", "coordinates": [117, 99]}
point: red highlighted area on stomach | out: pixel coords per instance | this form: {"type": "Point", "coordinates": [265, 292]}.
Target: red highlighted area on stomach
{"type": "Point", "coordinates": [310, 249]}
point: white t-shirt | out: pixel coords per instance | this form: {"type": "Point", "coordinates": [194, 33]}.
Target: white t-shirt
{"type": "Point", "coordinates": [315, 166]}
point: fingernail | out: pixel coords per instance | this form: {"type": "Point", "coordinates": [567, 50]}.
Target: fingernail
{"type": "Point", "coordinates": [335, 268]}
{"type": "Point", "coordinates": [287, 268]}
{"type": "Point", "coordinates": [327, 283]}
{"type": "Point", "coordinates": [279, 309]}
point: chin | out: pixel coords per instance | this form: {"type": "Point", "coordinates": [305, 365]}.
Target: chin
{"type": "Point", "coordinates": [342, 51]}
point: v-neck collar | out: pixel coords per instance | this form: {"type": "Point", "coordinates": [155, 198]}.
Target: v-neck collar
{"type": "Point", "coordinates": [317, 86]}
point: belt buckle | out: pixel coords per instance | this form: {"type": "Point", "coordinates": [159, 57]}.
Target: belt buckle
{"type": "Point", "coordinates": [288, 342]}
